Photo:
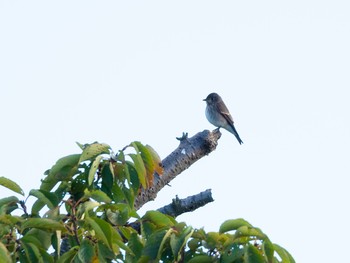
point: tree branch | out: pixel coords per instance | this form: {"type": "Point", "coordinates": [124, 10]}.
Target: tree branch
{"type": "Point", "coordinates": [188, 204]}
{"type": "Point", "coordinates": [181, 206]}
{"type": "Point", "coordinates": [188, 152]}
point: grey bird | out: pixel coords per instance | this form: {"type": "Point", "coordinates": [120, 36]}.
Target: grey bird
{"type": "Point", "coordinates": [218, 114]}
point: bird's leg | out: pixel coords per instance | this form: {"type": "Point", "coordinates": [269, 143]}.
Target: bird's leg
{"type": "Point", "coordinates": [184, 137]}
{"type": "Point", "coordinates": [217, 129]}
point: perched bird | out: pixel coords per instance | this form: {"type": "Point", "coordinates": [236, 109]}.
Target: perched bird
{"type": "Point", "coordinates": [218, 114]}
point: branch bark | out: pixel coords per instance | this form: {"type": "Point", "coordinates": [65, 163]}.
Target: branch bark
{"type": "Point", "coordinates": [188, 152]}
{"type": "Point", "coordinates": [188, 204]}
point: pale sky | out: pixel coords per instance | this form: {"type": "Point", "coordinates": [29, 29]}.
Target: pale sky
{"type": "Point", "coordinates": [119, 71]}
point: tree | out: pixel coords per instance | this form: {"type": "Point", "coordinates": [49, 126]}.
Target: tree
{"type": "Point", "coordinates": [86, 211]}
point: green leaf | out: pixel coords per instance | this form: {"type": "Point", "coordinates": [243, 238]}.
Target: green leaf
{"type": "Point", "coordinates": [145, 259]}
{"type": "Point", "coordinates": [233, 224]}
{"type": "Point", "coordinates": [213, 240]}
{"type": "Point", "coordinates": [44, 224]}
{"type": "Point", "coordinates": [9, 184]}
{"type": "Point", "coordinates": [118, 214]}
{"type": "Point", "coordinates": [110, 165]}
{"type": "Point", "coordinates": [68, 256]}
{"type": "Point", "coordinates": [135, 245]}
{"type": "Point", "coordinates": [10, 220]}
{"type": "Point", "coordinates": [107, 182]}
{"type": "Point", "coordinates": [117, 168]}
{"type": "Point", "coordinates": [284, 255]}
{"type": "Point", "coordinates": [97, 195]}
{"type": "Point", "coordinates": [126, 232]}
{"type": "Point", "coordinates": [147, 228]}
{"type": "Point", "coordinates": [103, 230]}
{"type": "Point", "coordinates": [100, 196]}
{"type": "Point", "coordinates": [64, 169]}
{"type": "Point", "coordinates": [41, 239]}
{"type": "Point", "coordinates": [129, 196]}
{"type": "Point", "coordinates": [86, 251]}
{"type": "Point", "coordinates": [4, 254]}
{"type": "Point", "coordinates": [140, 168]}
{"type": "Point", "coordinates": [60, 193]}
{"type": "Point", "coordinates": [61, 190]}
{"type": "Point", "coordinates": [202, 259]}
{"type": "Point", "coordinates": [89, 205]}
{"type": "Point", "coordinates": [85, 207]}
{"type": "Point", "coordinates": [152, 247]}
{"type": "Point", "coordinates": [133, 177]}
{"type": "Point", "coordinates": [46, 257]}
{"type": "Point", "coordinates": [93, 150]}
{"type": "Point", "coordinates": [118, 194]}
{"type": "Point", "coordinates": [37, 206]}
{"type": "Point", "coordinates": [156, 160]}
{"type": "Point", "coordinates": [159, 219]}
{"type": "Point", "coordinates": [268, 250]}
{"type": "Point", "coordinates": [193, 244]}
{"type": "Point", "coordinates": [78, 186]}
{"type": "Point", "coordinates": [56, 241]}
{"type": "Point", "coordinates": [246, 231]}
{"type": "Point", "coordinates": [81, 146]}
{"type": "Point", "coordinates": [177, 242]}
{"type": "Point", "coordinates": [7, 202]}
{"type": "Point", "coordinates": [233, 253]}
{"type": "Point", "coordinates": [104, 253]}
{"type": "Point", "coordinates": [253, 255]}
{"type": "Point", "coordinates": [164, 242]}
{"type": "Point", "coordinates": [94, 168]}
{"type": "Point", "coordinates": [50, 199]}
{"type": "Point", "coordinates": [32, 252]}
{"type": "Point", "coordinates": [147, 161]}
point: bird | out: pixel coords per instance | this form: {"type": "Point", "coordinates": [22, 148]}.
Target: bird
{"type": "Point", "coordinates": [218, 114]}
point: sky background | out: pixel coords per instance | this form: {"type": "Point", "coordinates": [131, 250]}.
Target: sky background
{"type": "Point", "coordinates": [119, 71]}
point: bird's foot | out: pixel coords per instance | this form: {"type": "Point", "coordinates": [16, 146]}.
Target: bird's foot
{"type": "Point", "coordinates": [184, 137]}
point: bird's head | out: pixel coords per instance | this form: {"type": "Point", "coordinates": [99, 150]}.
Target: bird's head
{"type": "Point", "coordinates": [212, 98]}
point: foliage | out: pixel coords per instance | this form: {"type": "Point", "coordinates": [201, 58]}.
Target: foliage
{"type": "Point", "coordinates": [83, 209]}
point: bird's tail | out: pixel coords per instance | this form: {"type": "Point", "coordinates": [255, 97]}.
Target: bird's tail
{"type": "Point", "coordinates": [235, 133]}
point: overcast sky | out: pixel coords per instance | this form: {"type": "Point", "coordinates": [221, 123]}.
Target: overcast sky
{"type": "Point", "coordinates": [119, 71]}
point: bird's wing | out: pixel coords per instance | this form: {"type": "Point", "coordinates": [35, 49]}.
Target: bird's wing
{"type": "Point", "coordinates": [221, 107]}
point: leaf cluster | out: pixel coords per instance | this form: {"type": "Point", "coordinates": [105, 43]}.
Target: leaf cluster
{"type": "Point", "coordinates": [84, 206]}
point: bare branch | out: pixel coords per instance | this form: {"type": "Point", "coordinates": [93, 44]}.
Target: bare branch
{"type": "Point", "coordinates": [188, 152]}
{"type": "Point", "coordinates": [188, 204]}
{"type": "Point", "coordinates": [181, 206]}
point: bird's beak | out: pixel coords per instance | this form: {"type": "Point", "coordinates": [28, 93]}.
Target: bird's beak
{"type": "Point", "coordinates": [205, 100]}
